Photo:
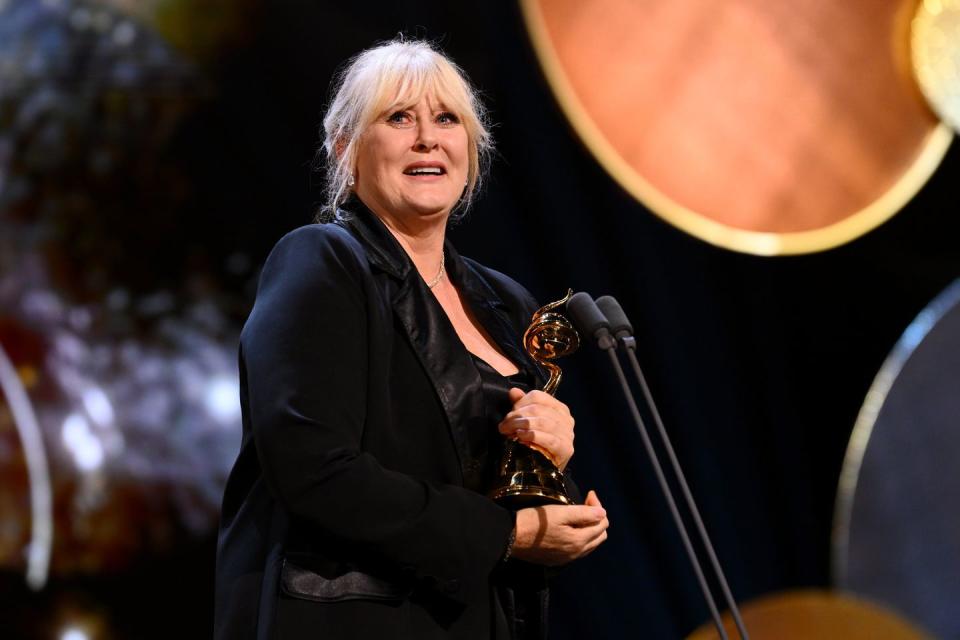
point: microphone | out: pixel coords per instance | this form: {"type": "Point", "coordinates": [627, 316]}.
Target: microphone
{"type": "Point", "coordinates": [589, 320]}
{"type": "Point", "coordinates": [623, 330]}
{"type": "Point", "coordinates": [619, 324]}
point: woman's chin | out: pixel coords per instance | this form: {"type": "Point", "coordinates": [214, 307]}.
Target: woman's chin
{"type": "Point", "coordinates": [431, 210]}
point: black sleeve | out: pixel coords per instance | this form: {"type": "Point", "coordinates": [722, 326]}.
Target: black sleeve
{"type": "Point", "coordinates": [305, 351]}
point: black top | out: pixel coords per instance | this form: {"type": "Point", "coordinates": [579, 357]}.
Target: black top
{"type": "Point", "coordinates": [496, 385]}
{"type": "Point", "coordinates": [496, 402]}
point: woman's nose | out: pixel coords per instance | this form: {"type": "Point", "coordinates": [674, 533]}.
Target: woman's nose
{"type": "Point", "coordinates": [426, 136]}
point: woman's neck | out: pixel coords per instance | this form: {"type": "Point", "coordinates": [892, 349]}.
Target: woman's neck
{"type": "Point", "coordinates": [422, 240]}
{"type": "Point", "coordinates": [425, 250]}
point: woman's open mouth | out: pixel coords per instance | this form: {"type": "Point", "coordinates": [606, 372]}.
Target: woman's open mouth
{"type": "Point", "coordinates": [425, 169]}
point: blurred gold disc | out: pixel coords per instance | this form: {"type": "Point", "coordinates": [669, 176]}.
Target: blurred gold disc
{"type": "Point", "coordinates": [810, 613]}
{"type": "Point", "coordinates": [935, 48]}
{"type": "Point", "coordinates": [763, 127]}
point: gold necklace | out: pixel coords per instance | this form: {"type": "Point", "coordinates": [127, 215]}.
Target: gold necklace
{"type": "Point", "coordinates": [436, 280]}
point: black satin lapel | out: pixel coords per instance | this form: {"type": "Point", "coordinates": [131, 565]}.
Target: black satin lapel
{"type": "Point", "coordinates": [383, 250]}
{"type": "Point", "coordinates": [438, 347]}
{"type": "Point", "coordinates": [497, 323]}
{"type": "Point", "coordinates": [450, 369]}
{"type": "Point", "coordinates": [494, 315]}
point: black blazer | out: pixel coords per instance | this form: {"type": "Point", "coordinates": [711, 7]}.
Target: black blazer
{"type": "Point", "coordinates": [354, 507]}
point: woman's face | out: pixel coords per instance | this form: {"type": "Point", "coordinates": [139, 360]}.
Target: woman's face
{"type": "Point", "coordinates": [413, 161]}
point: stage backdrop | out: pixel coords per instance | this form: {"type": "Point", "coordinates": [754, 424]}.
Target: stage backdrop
{"type": "Point", "coordinates": [152, 153]}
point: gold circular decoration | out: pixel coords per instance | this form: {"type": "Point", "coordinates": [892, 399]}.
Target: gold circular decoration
{"type": "Point", "coordinates": [767, 128]}
{"type": "Point", "coordinates": [810, 613]}
{"type": "Point", "coordinates": [935, 45]}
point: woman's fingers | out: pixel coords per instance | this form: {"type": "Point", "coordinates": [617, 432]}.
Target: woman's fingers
{"type": "Point", "coordinates": [538, 398]}
{"type": "Point", "coordinates": [593, 543]}
{"type": "Point", "coordinates": [515, 426]}
{"type": "Point", "coordinates": [589, 536]}
{"type": "Point", "coordinates": [543, 439]}
{"type": "Point", "coordinates": [563, 419]}
{"type": "Point", "coordinates": [590, 531]}
{"type": "Point", "coordinates": [540, 419]}
{"type": "Point", "coordinates": [560, 450]}
{"type": "Point", "coordinates": [592, 499]}
{"type": "Point", "coordinates": [592, 536]}
{"type": "Point", "coordinates": [555, 534]}
{"type": "Point", "coordinates": [582, 515]}
{"type": "Point", "coordinates": [543, 420]}
{"type": "Point", "coordinates": [542, 412]}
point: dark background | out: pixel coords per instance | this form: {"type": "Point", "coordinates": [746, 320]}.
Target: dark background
{"type": "Point", "coordinates": [760, 365]}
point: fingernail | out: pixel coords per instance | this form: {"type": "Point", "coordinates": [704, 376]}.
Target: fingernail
{"type": "Point", "coordinates": [599, 512]}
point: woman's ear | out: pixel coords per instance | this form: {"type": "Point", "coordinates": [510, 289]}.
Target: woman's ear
{"type": "Point", "coordinates": [339, 147]}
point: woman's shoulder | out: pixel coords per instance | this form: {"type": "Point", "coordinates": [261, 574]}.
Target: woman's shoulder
{"type": "Point", "coordinates": [317, 238]}
{"type": "Point", "coordinates": [316, 245]}
{"type": "Point", "coordinates": [313, 267]}
{"type": "Point", "coordinates": [314, 261]}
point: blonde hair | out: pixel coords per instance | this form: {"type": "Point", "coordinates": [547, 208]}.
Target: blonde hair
{"type": "Point", "coordinates": [397, 74]}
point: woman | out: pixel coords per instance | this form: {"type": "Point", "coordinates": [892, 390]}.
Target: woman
{"type": "Point", "coordinates": [380, 372]}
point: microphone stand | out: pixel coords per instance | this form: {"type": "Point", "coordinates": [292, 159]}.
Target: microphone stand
{"type": "Point", "coordinates": [590, 320]}
{"type": "Point", "coordinates": [624, 333]}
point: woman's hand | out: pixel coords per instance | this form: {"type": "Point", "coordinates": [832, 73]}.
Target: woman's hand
{"type": "Point", "coordinates": [557, 534]}
{"type": "Point", "coordinates": [539, 419]}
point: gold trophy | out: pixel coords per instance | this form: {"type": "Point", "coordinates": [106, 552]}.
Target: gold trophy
{"type": "Point", "coordinates": [527, 476]}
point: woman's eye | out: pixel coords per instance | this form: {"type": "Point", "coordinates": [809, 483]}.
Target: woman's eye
{"type": "Point", "coordinates": [448, 118]}
{"type": "Point", "coordinates": [399, 118]}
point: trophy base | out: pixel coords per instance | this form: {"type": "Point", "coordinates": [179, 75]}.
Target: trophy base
{"type": "Point", "coordinates": [528, 479]}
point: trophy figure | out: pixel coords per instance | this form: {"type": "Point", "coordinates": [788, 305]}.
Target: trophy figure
{"type": "Point", "coordinates": [526, 475]}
